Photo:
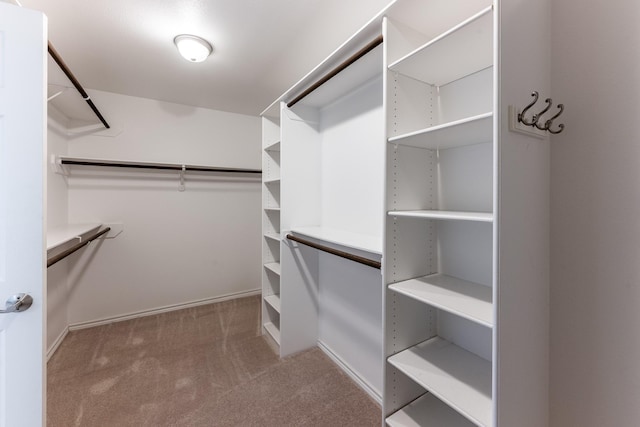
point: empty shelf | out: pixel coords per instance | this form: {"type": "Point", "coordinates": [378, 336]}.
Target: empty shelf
{"type": "Point", "coordinates": [273, 331]}
{"type": "Point", "coordinates": [273, 301]}
{"type": "Point", "coordinates": [273, 266]}
{"type": "Point", "coordinates": [436, 63]}
{"type": "Point", "coordinates": [456, 376]}
{"type": "Point", "coordinates": [273, 236]}
{"type": "Point", "coordinates": [447, 215]}
{"type": "Point", "coordinates": [470, 300]}
{"type": "Point", "coordinates": [274, 146]}
{"type": "Point", "coordinates": [469, 131]}
{"type": "Point", "coordinates": [267, 208]}
{"type": "Point", "coordinates": [272, 181]}
{"type": "Point", "coordinates": [427, 411]}
{"type": "Point", "coordinates": [60, 235]}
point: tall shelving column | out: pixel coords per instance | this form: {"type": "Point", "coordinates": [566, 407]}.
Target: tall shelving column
{"type": "Point", "coordinates": [439, 232]}
{"type": "Point", "coordinates": [271, 227]}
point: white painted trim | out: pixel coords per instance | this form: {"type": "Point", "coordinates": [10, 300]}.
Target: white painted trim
{"type": "Point", "coordinates": [166, 309]}
{"type": "Point", "coordinates": [352, 374]}
{"type": "Point", "coordinates": [57, 342]}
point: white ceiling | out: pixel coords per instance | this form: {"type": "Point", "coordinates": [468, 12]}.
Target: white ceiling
{"type": "Point", "coordinates": [261, 47]}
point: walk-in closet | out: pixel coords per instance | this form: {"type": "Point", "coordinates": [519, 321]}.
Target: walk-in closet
{"type": "Point", "coordinates": [395, 213]}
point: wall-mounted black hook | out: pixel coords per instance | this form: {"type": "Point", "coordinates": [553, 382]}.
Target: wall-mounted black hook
{"type": "Point", "coordinates": [548, 123]}
{"type": "Point", "coordinates": [541, 113]}
{"type": "Point", "coordinates": [536, 118]}
{"type": "Point", "coordinates": [521, 117]}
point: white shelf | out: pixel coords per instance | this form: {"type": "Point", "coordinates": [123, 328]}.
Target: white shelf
{"type": "Point", "coordinates": [273, 266]}
{"type": "Point", "coordinates": [469, 131]}
{"type": "Point", "coordinates": [60, 235]}
{"type": "Point", "coordinates": [446, 215]}
{"type": "Point", "coordinates": [427, 411]}
{"type": "Point", "coordinates": [347, 239]}
{"type": "Point", "coordinates": [437, 63]}
{"type": "Point", "coordinates": [275, 237]}
{"type": "Point", "coordinates": [470, 300]}
{"type": "Point", "coordinates": [272, 180]}
{"type": "Point", "coordinates": [271, 209]}
{"type": "Point", "coordinates": [273, 331]}
{"type": "Point", "coordinates": [459, 378]}
{"type": "Point", "coordinates": [273, 301]}
{"type": "Point", "coordinates": [273, 146]}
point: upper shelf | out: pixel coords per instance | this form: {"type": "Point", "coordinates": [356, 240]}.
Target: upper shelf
{"type": "Point", "coordinates": [446, 215]}
{"type": "Point", "coordinates": [343, 238]}
{"type": "Point", "coordinates": [469, 131]}
{"type": "Point", "coordinates": [60, 235]}
{"type": "Point", "coordinates": [458, 52]}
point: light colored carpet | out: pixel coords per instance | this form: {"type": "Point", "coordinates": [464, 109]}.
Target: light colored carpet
{"type": "Point", "coordinates": [203, 366]}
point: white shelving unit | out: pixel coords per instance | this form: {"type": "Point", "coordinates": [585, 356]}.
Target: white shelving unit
{"type": "Point", "coordinates": [405, 156]}
{"type": "Point", "coordinates": [440, 201]}
{"type": "Point", "coordinates": [271, 227]}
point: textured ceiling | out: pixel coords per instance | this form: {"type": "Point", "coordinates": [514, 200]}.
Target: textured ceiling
{"type": "Point", "coordinates": [261, 47]}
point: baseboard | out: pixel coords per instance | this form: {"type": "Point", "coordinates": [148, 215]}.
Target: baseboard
{"type": "Point", "coordinates": [57, 343]}
{"type": "Point", "coordinates": [352, 374]}
{"type": "Point", "coordinates": [165, 309]}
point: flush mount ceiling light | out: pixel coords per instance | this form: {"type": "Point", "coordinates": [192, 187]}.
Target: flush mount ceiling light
{"type": "Point", "coordinates": [192, 48]}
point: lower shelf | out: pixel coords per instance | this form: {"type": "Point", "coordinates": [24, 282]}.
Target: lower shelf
{"type": "Point", "coordinates": [273, 301]}
{"type": "Point", "coordinates": [427, 411]}
{"type": "Point", "coordinates": [456, 376]}
{"type": "Point", "coordinates": [273, 266]}
{"type": "Point", "coordinates": [273, 331]}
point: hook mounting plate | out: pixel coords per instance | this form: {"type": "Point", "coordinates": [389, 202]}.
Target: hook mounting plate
{"type": "Point", "coordinates": [516, 126]}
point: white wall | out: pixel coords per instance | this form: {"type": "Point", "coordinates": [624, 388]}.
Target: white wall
{"type": "Point", "coordinates": [595, 298]}
{"type": "Point", "coordinates": [57, 213]}
{"type": "Point", "coordinates": [176, 247]}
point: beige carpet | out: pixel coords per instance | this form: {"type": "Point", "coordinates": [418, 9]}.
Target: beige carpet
{"type": "Point", "coordinates": [203, 366]}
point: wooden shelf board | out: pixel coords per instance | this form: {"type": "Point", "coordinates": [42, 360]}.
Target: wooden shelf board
{"type": "Point", "coordinates": [273, 331]}
{"type": "Point", "coordinates": [273, 266]}
{"type": "Point", "coordinates": [472, 301]}
{"type": "Point", "coordinates": [436, 63]}
{"type": "Point", "coordinates": [427, 411]}
{"type": "Point", "coordinates": [456, 376]}
{"type": "Point", "coordinates": [446, 215]}
{"type": "Point", "coordinates": [273, 301]}
{"type": "Point", "coordinates": [347, 239]}
{"type": "Point", "coordinates": [469, 131]}
{"type": "Point", "coordinates": [58, 236]}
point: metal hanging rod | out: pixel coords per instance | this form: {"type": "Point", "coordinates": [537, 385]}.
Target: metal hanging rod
{"type": "Point", "coordinates": [148, 165]}
{"type": "Point", "coordinates": [74, 248]}
{"type": "Point", "coordinates": [353, 58]}
{"type": "Point", "coordinates": [56, 57]}
{"type": "Point", "coordinates": [347, 255]}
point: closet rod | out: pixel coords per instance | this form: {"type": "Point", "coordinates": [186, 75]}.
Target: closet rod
{"type": "Point", "coordinates": [347, 255]}
{"type": "Point", "coordinates": [56, 57]}
{"type": "Point", "coordinates": [160, 166]}
{"type": "Point", "coordinates": [74, 248]}
{"type": "Point", "coordinates": [362, 52]}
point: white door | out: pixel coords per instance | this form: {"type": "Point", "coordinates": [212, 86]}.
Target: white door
{"type": "Point", "coordinates": [23, 47]}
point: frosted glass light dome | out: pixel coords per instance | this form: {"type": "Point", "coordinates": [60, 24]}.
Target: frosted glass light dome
{"type": "Point", "coordinates": [192, 48]}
